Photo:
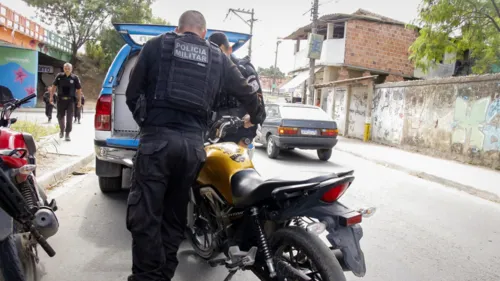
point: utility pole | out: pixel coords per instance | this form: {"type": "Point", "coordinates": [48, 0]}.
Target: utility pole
{"type": "Point", "coordinates": [276, 66]}
{"type": "Point", "coordinates": [248, 22]}
{"type": "Point", "coordinates": [314, 13]}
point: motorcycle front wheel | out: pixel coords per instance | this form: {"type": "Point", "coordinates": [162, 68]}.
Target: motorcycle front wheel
{"type": "Point", "coordinates": [305, 252]}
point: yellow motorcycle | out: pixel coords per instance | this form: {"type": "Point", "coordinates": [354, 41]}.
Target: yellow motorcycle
{"type": "Point", "coordinates": [271, 227]}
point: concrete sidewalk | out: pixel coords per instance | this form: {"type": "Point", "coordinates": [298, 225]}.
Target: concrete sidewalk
{"type": "Point", "coordinates": [478, 181]}
{"type": "Point", "coordinates": [80, 148]}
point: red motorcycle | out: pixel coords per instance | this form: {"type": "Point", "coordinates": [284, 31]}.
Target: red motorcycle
{"type": "Point", "coordinates": [26, 217]}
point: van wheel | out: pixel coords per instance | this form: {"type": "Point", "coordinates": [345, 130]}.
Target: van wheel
{"type": "Point", "coordinates": [272, 149]}
{"type": "Point", "coordinates": [108, 185]}
{"type": "Point", "coordinates": [324, 154]}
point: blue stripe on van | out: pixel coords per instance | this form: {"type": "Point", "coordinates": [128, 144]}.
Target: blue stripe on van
{"type": "Point", "coordinates": [128, 143]}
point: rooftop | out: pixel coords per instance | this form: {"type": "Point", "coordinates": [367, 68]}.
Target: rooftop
{"type": "Point", "coordinates": [301, 33]}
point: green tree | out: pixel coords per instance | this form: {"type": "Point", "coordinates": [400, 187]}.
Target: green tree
{"type": "Point", "coordinates": [81, 20]}
{"type": "Point", "coordinates": [458, 26]}
{"type": "Point", "coordinates": [111, 42]}
{"type": "Point", "coordinates": [271, 72]}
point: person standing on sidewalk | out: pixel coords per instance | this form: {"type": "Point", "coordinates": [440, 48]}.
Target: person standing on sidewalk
{"type": "Point", "coordinates": [69, 91]}
{"type": "Point", "coordinates": [79, 110]}
{"type": "Point", "coordinates": [48, 105]}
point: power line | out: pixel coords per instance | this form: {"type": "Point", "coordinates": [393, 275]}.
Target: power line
{"type": "Point", "coordinates": [248, 22]}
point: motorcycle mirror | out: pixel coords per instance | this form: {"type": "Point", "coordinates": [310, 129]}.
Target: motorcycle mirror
{"type": "Point", "coordinates": [13, 120]}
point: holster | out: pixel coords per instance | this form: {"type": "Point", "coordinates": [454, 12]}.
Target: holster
{"type": "Point", "coordinates": [140, 111]}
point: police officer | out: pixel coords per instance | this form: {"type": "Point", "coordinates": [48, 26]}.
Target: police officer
{"type": "Point", "coordinates": [228, 104]}
{"type": "Point", "coordinates": [171, 93]}
{"type": "Point", "coordinates": [69, 92]}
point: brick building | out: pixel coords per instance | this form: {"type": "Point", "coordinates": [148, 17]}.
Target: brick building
{"type": "Point", "coordinates": [355, 45]}
{"type": "Point", "coordinates": [266, 83]}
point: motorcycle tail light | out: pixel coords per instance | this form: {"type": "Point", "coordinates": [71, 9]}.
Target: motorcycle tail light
{"type": "Point", "coordinates": [23, 172]}
{"type": "Point", "coordinates": [335, 192]}
{"type": "Point", "coordinates": [27, 169]}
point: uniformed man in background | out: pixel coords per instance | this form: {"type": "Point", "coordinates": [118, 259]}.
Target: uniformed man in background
{"type": "Point", "coordinates": [171, 92]}
{"type": "Point", "coordinates": [228, 104]}
{"type": "Point", "coordinates": [69, 92]}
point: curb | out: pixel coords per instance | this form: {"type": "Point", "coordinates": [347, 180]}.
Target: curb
{"type": "Point", "coordinates": [433, 178]}
{"type": "Point", "coordinates": [57, 175]}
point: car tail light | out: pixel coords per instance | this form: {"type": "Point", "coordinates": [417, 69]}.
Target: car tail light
{"type": "Point", "coordinates": [350, 218]}
{"type": "Point", "coordinates": [287, 131]}
{"type": "Point", "coordinates": [102, 120]}
{"type": "Point", "coordinates": [335, 193]}
{"type": "Point", "coordinates": [329, 132]}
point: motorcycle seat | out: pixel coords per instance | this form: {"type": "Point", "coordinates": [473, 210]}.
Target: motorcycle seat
{"type": "Point", "coordinates": [248, 187]}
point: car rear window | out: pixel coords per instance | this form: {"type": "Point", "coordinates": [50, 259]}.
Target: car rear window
{"type": "Point", "coordinates": [304, 113]}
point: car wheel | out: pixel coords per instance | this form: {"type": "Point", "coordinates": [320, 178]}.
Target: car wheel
{"type": "Point", "coordinates": [272, 149]}
{"type": "Point", "coordinates": [324, 154]}
{"type": "Point", "coordinates": [108, 185]}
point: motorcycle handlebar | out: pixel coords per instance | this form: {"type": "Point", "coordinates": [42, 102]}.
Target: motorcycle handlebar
{"type": "Point", "coordinates": [230, 122]}
{"type": "Point", "coordinates": [25, 100]}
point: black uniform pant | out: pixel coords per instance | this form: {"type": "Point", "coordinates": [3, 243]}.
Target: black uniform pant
{"type": "Point", "coordinates": [166, 165]}
{"type": "Point", "coordinates": [10, 264]}
{"type": "Point", "coordinates": [48, 110]}
{"type": "Point", "coordinates": [65, 110]}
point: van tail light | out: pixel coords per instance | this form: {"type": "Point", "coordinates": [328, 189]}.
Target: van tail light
{"type": "Point", "coordinates": [329, 132]}
{"type": "Point", "coordinates": [287, 131]}
{"type": "Point", "coordinates": [102, 121]}
{"type": "Point", "coordinates": [335, 192]}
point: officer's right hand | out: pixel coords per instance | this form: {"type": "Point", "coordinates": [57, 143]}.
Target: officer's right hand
{"type": "Point", "coordinates": [247, 123]}
{"type": "Point", "coordinates": [51, 100]}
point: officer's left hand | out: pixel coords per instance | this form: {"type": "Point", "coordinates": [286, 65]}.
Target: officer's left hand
{"type": "Point", "coordinates": [79, 104]}
{"type": "Point", "coordinates": [247, 123]}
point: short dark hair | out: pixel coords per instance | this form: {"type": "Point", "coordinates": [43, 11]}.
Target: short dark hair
{"type": "Point", "coordinates": [193, 19]}
{"type": "Point", "coordinates": [219, 39]}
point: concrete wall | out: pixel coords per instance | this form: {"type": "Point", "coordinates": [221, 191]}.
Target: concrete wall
{"type": "Point", "coordinates": [455, 117]}
{"type": "Point", "coordinates": [380, 46]}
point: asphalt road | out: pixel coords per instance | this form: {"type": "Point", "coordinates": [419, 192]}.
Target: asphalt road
{"type": "Point", "coordinates": [421, 231]}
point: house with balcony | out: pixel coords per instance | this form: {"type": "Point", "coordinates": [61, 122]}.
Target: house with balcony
{"type": "Point", "coordinates": [355, 45]}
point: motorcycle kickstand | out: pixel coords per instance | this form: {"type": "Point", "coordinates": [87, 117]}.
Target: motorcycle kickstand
{"type": "Point", "coordinates": [238, 260]}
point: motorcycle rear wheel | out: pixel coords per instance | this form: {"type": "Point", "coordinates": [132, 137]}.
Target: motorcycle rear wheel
{"type": "Point", "coordinates": [310, 249]}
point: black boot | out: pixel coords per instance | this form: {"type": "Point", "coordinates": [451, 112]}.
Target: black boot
{"type": "Point", "coordinates": [67, 137]}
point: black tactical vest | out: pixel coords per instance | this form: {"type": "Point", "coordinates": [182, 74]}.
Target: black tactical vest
{"type": "Point", "coordinates": [190, 75]}
{"type": "Point", "coordinates": [227, 102]}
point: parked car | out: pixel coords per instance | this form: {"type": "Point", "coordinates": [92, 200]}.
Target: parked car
{"type": "Point", "coordinates": [115, 129]}
{"type": "Point", "coordinates": [291, 125]}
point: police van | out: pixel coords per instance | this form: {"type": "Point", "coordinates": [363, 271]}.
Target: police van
{"type": "Point", "coordinates": [116, 132]}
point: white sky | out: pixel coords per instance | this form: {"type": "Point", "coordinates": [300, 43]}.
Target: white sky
{"type": "Point", "coordinates": [276, 18]}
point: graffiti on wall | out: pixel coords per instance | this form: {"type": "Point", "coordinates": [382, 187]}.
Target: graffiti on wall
{"type": "Point", "coordinates": [492, 129]}
{"type": "Point", "coordinates": [357, 112]}
{"type": "Point", "coordinates": [388, 115]}
{"type": "Point", "coordinates": [476, 124]}
{"type": "Point", "coordinates": [19, 74]}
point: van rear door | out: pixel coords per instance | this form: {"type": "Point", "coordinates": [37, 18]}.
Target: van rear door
{"type": "Point", "coordinates": [124, 128]}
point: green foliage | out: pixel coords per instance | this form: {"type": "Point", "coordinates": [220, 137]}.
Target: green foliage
{"type": "Point", "coordinates": [271, 72]}
{"type": "Point", "coordinates": [457, 26]}
{"type": "Point", "coordinates": [81, 21]}
{"type": "Point", "coordinates": [38, 131]}
{"type": "Point", "coordinates": [110, 41]}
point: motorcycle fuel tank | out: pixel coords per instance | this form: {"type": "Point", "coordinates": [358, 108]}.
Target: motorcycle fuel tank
{"type": "Point", "coordinates": [223, 161]}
